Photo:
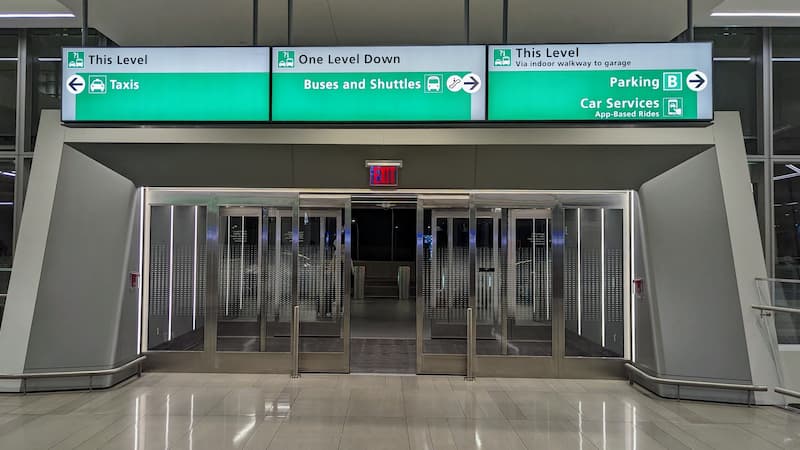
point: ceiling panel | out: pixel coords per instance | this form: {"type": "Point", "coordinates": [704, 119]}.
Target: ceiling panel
{"type": "Point", "coordinates": [362, 22]}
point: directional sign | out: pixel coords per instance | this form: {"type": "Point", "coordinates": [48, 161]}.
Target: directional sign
{"type": "Point", "coordinates": [600, 82]}
{"type": "Point", "coordinates": [471, 82]}
{"type": "Point", "coordinates": [378, 84]}
{"type": "Point", "coordinates": [697, 81]}
{"type": "Point", "coordinates": [166, 84]}
{"type": "Point", "coordinates": [75, 84]}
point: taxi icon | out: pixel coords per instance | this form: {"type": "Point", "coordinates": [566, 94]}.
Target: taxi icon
{"type": "Point", "coordinates": [97, 85]}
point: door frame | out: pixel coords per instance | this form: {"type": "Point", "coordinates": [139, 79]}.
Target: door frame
{"type": "Point", "coordinates": [208, 359]}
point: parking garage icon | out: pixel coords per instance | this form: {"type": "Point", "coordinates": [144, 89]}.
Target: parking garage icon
{"type": "Point", "coordinates": [286, 59]}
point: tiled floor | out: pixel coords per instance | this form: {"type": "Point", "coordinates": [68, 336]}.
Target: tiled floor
{"type": "Point", "coordinates": [215, 411]}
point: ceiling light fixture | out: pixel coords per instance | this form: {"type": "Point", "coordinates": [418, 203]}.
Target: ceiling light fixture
{"type": "Point", "coordinates": [37, 15]}
{"type": "Point", "coordinates": [756, 14]}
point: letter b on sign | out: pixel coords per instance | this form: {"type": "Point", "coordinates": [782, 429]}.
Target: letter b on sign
{"type": "Point", "coordinates": [673, 81]}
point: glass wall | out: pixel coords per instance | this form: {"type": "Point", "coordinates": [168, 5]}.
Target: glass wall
{"type": "Point", "coordinates": [736, 55]}
{"type": "Point", "coordinates": [44, 53]}
{"type": "Point", "coordinates": [8, 89]}
{"type": "Point", "coordinates": [786, 99]}
{"type": "Point", "coordinates": [36, 54]}
{"type": "Point", "coordinates": [8, 123]}
{"type": "Point", "coordinates": [786, 149]}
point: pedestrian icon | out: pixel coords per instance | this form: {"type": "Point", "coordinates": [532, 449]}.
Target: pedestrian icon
{"type": "Point", "coordinates": [286, 59]}
{"type": "Point", "coordinates": [502, 57]}
{"type": "Point", "coordinates": [433, 83]}
{"type": "Point", "coordinates": [75, 60]}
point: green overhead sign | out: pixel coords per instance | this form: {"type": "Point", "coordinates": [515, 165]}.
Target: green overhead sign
{"type": "Point", "coordinates": [378, 84]}
{"type": "Point", "coordinates": [165, 84]}
{"type": "Point", "coordinates": [600, 82]}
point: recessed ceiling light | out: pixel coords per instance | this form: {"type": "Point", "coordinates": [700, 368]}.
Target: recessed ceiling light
{"type": "Point", "coordinates": [756, 14]}
{"type": "Point", "coordinates": [37, 15]}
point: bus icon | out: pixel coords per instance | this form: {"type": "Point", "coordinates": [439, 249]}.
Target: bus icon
{"type": "Point", "coordinates": [502, 57]}
{"type": "Point", "coordinates": [286, 59]}
{"type": "Point", "coordinates": [75, 60]}
{"type": "Point", "coordinates": [433, 83]}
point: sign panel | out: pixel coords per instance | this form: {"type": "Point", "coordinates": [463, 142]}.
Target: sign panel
{"type": "Point", "coordinates": [600, 82]}
{"type": "Point", "coordinates": [383, 175]}
{"type": "Point", "coordinates": [378, 84]}
{"type": "Point", "coordinates": [165, 84]}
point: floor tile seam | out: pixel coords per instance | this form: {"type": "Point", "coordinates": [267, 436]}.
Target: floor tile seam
{"type": "Point", "coordinates": [753, 433]}
{"type": "Point", "coordinates": [111, 438]}
{"type": "Point", "coordinates": [656, 425]}
{"type": "Point", "coordinates": [275, 433]}
{"type": "Point", "coordinates": [220, 402]}
{"type": "Point", "coordinates": [74, 432]}
{"type": "Point", "coordinates": [681, 426]}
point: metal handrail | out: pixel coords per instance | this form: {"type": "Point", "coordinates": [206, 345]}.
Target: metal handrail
{"type": "Point", "coordinates": [750, 388]}
{"type": "Point", "coordinates": [778, 280]}
{"type": "Point", "coordinates": [788, 392]}
{"type": "Point", "coordinates": [776, 308]}
{"type": "Point", "coordinates": [77, 373]}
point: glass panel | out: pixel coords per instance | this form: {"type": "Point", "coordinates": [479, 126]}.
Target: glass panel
{"type": "Point", "coordinates": [594, 286]}
{"type": "Point", "coordinates": [758, 188]}
{"type": "Point", "coordinates": [785, 42]}
{"type": "Point", "coordinates": [732, 41]}
{"type": "Point", "coordinates": [238, 324]}
{"type": "Point", "coordinates": [277, 280]}
{"type": "Point", "coordinates": [530, 330]}
{"type": "Point", "coordinates": [736, 51]}
{"type": "Point", "coordinates": [176, 294]}
{"type": "Point", "coordinates": [488, 311]}
{"type": "Point", "coordinates": [571, 277]}
{"type": "Point", "coordinates": [320, 278]}
{"type": "Point", "coordinates": [8, 88]}
{"type": "Point", "coordinates": [787, 220]}
{"type": "Point", "coordinates": [787, 107]}
{"type": "Point", "coordinates": [8, 176]}
{"type": "Point", "coordinates": [5, 277]}
{"type": "Point", "coordinates": [446, 282]}
{"type": "Point", "coordinates": [735, 88]}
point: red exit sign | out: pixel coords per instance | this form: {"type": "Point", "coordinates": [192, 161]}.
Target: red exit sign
{"type": "Point", "coordinates": [383, 175]}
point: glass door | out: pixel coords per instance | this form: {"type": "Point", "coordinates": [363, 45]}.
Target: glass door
{"type": "Point", "coordinates": [514, 297]}
{"type": "Point", "coordinates": [323, 283]}
{"type": "Point", "coordinates": [254, 308]}
{"type": "Point", "coordinates": [443, 286]}
{"type": "Point", "coordinates": [530, 300]}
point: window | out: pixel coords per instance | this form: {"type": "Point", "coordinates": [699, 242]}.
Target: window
{"type": "Point", "coordinates": [44, 52]}
{"type": "Point", "coordinates": [736, 52]}
{"type": "Point", "coordinates": [786, 95]}
{"type": "Point", "coordinates": [8, 90]}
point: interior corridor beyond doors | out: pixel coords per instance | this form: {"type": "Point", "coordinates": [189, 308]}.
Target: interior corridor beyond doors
{"type": "Point", "coordinates": [383, 306]}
